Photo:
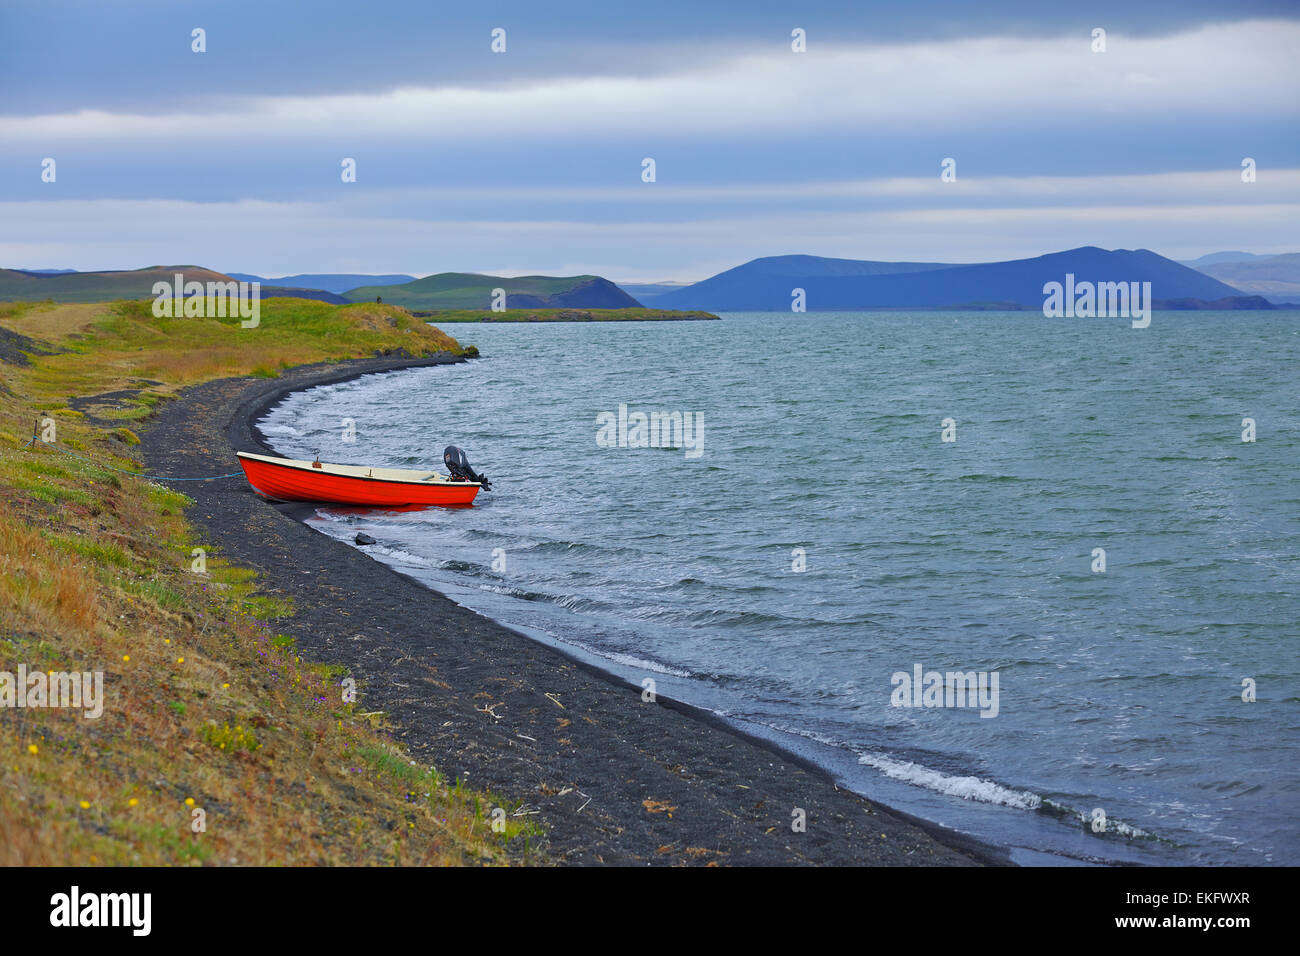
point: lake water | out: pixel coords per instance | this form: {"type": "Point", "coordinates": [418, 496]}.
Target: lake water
{"type": "Point", "coordinates": [1120, 692]}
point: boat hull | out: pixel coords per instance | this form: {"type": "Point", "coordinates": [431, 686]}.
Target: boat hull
{"type": "Point", "coordinates": [287, 482]}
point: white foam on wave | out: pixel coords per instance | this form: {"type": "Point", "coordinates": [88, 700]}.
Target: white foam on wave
{"type": "Point", "coordinates": [627, 660]}
{"type": "Point", "coordinates": [324, 514]}
{"type": "Point", "coordinates": [967, 788]}
{"type": "Point", "coordinates": [289, 430]}
{"type": "Point", "coordinates": [397, 554]}
{"type": "Point", "coordinates": [1112, 825]}
{"type": "Point", "coordinates": [376, 551]}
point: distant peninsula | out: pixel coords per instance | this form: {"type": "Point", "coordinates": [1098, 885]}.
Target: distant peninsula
{"type": "Point", "coordinates": [565, 315]}
{"type": "Point", "coordinates": [468, 290]}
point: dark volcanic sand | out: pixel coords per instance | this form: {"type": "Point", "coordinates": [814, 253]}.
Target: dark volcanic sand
{"type": "Point", "coordinates": [589, 762]}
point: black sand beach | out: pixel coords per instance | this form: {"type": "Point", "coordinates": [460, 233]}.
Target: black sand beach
{"type": "Point", "coordinates": [614, 780]}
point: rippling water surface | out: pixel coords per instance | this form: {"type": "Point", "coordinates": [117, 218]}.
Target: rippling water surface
{"type": "Point", "coordinates": [1119, 692]}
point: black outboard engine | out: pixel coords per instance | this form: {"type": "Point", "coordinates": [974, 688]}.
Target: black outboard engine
{"type": "Point", "coordinates": [458, 467]}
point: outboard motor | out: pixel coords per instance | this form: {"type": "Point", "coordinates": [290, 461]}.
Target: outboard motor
{"type": "Point", "coordinates": [458, 467]}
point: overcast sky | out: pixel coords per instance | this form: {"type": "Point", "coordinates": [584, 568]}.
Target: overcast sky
{"type": "Point", "coordinates": [530, 161]}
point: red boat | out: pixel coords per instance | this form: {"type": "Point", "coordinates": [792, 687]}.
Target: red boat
{"type": "Point", "coordinates": [288, 479]}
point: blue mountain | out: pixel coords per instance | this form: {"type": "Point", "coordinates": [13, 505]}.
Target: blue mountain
{"type": "Point", "coordinates": [336, 282]}
{"type": "Point", "coordinates": [846, 284]}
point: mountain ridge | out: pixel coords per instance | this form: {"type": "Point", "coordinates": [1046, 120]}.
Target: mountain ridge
{"type": "Point", "coordinates": [767, 284]}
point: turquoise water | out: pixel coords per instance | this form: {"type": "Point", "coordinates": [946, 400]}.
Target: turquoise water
{"type": "Point", "coordinates": [1118, 691]}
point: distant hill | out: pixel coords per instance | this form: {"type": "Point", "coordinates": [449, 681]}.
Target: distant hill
{"type": "Point", "coordinates": [465, 290]}
{"type": "Point", "coordinates": [648, 290]}
{"type": "Point", "coordinates": [1277, 278]}
{"type": "Point", "coordinates": [18, 285]}
{"type": "Point", "coordinates": [1217, 257]}
{"type": "Point", "coordinates": [70, 286]}
{"type": "Point", "coordinates": [796, 266]}
{"type": "Point", "coordinates": [848, 284]}
{"type": "Point", "coordinates": [1228, 304]}
{"type": "Point", "coordinates": [336, 282]}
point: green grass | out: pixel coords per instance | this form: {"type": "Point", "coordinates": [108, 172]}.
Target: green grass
{"type": "Point", "coordinates": [96, 551]}
{"type": "Point", "coordinates": [158, 592]}
{"type": "Point", "coordinates": [42, 468]}
{"type": "Point", "coordinates": [266, 608]}
{"type": "Point", "coordinates": [131, 414]}
{"type": "Point", "coordinates": [168, 497]}
{"type": "Point", "coordinates": [52, 493]}
{"type": "Point", "coordinates": [425, 783]}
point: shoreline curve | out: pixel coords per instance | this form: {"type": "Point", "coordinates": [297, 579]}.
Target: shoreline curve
{"type": "Point", "coordinates": [567, 737]}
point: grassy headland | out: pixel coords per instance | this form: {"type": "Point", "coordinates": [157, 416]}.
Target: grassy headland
{"type": "Point", "coordinates": [208, 706]}
{"type": "Point", "coordinates": [467, 290]}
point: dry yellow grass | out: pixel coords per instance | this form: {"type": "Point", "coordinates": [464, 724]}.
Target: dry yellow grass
{"type": "Point", "coordinates": [57, 322]}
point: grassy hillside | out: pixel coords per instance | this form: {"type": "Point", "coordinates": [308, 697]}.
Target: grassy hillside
{"type": "Point", "coordinates": [122, 341]}
{"type": "Point", "coordinates": [208, 706]}
{"type": "Point", "coordinates": [96, 286]}
{"type": "Point", "coordinates": [464, 290]}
